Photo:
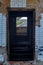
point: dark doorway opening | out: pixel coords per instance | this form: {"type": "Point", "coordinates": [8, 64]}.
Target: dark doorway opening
{"type": "Point", "coordinates": [21, 35]}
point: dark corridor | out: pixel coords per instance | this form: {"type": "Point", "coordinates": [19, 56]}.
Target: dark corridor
{"type": "Point", "coordinates": [21, 35]}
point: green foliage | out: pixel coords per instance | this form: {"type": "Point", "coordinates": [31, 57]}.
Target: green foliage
{"type": "Point", "coordinates": [19, 22]}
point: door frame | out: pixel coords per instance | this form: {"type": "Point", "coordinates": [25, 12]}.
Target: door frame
{"type": "Point", "coordinates": [20, 9]}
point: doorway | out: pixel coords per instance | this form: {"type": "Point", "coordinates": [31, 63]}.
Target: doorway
{"type": "Point", "coordinates": [21, 35]}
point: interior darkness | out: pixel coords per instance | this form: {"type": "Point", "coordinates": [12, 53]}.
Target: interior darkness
{"type": "Point", "coordinates": [20, 47]}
